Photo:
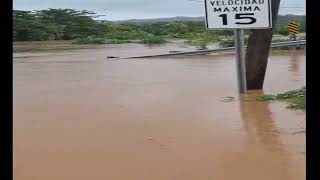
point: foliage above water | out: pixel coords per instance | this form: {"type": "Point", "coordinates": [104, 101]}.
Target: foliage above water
{"type": "Point", "coordinates": [54, 24]}
{"type": "Point", "coordinates": [152, 39]}
{"type": "Point", "coordinates": [89, 40]}
{"type": "Point", "coordinates": [70, 24]}
{"type": "Point", "coordinates": [202, 39]}
{"type": "Point", "coordinates": [296, 98]}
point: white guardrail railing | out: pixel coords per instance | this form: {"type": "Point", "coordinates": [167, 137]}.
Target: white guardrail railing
{"type": "Point", "coordinates": [273, 45]}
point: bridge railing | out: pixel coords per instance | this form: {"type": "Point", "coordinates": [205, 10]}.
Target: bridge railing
{"type": "Point", "coordinates": [207, 51]}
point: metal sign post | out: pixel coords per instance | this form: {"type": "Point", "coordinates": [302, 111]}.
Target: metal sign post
{"type": "Point", "coordinates": [240, 60]}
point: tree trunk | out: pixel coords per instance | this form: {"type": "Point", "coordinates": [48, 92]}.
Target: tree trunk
{"type": "Point", "coordinates": [257, 54]}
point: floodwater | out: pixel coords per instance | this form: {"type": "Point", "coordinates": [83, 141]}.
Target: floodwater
{"type": "Point", "coordinates": [80, 116]}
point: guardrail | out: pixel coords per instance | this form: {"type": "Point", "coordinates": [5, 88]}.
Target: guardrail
{"type": "Point", "coordinates": [199, 52]}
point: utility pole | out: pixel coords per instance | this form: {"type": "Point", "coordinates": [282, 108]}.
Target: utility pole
{"type": "Point", "coordinates": [257, 54]}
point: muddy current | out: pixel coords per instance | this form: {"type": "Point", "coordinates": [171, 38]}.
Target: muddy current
{"type": "Point", "coordinates": [79, 115]}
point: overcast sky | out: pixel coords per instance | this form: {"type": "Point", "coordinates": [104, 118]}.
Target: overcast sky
{"type": "Point", "coordinates": [141, 9]}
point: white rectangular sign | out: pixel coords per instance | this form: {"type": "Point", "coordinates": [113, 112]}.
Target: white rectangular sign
{"type": "Point", "coordinates": [238, 14]}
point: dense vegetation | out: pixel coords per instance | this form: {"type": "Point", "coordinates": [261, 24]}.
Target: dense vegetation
{"type": "Point", "coordinates": [80, 26]}
{"type": "Point", "coordinates": [54, 24]}
{"type": "Point", "coordinates": [296, 98]}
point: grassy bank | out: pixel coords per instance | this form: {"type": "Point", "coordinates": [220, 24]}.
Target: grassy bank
{"type": "Point", "coordinates": [295, 98]}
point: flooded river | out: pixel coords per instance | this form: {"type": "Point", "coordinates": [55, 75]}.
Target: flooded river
{"type": "Point", "coordinates": [81, 116]}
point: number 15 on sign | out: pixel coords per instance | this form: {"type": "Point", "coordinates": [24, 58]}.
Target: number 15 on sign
{"type": "Point", "coordinates": [238, 14]}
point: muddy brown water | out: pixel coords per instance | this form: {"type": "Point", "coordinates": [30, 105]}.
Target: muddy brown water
{"type": "Point", "coordinates": [81, 116]}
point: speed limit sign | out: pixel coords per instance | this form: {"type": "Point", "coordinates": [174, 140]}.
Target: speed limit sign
{"type": "Point", "coordinates": [238, 14]}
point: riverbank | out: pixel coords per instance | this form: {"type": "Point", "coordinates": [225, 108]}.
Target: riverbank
{"type": "Point", "coordinates": [49, 46]}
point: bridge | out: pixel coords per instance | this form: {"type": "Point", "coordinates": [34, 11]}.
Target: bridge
{"type": "Point", "coordinates": [228, 49]}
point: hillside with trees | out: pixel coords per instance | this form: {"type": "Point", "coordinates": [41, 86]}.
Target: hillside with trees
{"type": "Point", "coordinates": [82, 28]}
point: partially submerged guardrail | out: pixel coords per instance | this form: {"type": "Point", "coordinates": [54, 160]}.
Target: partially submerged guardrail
{"type": "Point", "coordinates": [201, 52]}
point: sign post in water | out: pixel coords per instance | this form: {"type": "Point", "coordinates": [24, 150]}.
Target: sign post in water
{"type": "Point", "coordinates": [238, 15]}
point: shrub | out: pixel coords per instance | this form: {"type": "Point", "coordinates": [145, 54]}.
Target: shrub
{"type": "Point", "coordinates": [89, 40]}
{"type": "Point", "coordinates": [224, 43]}
{"type": "Point", "coordinates": [152, 39]}
{"type": "Point", "coordinates": [296, 98]}
{"type": "Point", "coordinates": [202, 39]}
{"type": "Point", "coordinates": [117, 41]}
{"type": "Point", "coordinates": [283, 30]}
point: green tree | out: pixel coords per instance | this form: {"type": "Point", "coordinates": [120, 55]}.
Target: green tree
{"type": "Point", "coordinates": [27, 27]}
{"type": "Point", "coordinates": [75, 24]}
{"type": "Point", "coordinates": [176, 28]}
{"type": "Point", "coordinates": [55, 24]}
{"type": "Point", "coordinates": [283, 31]}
